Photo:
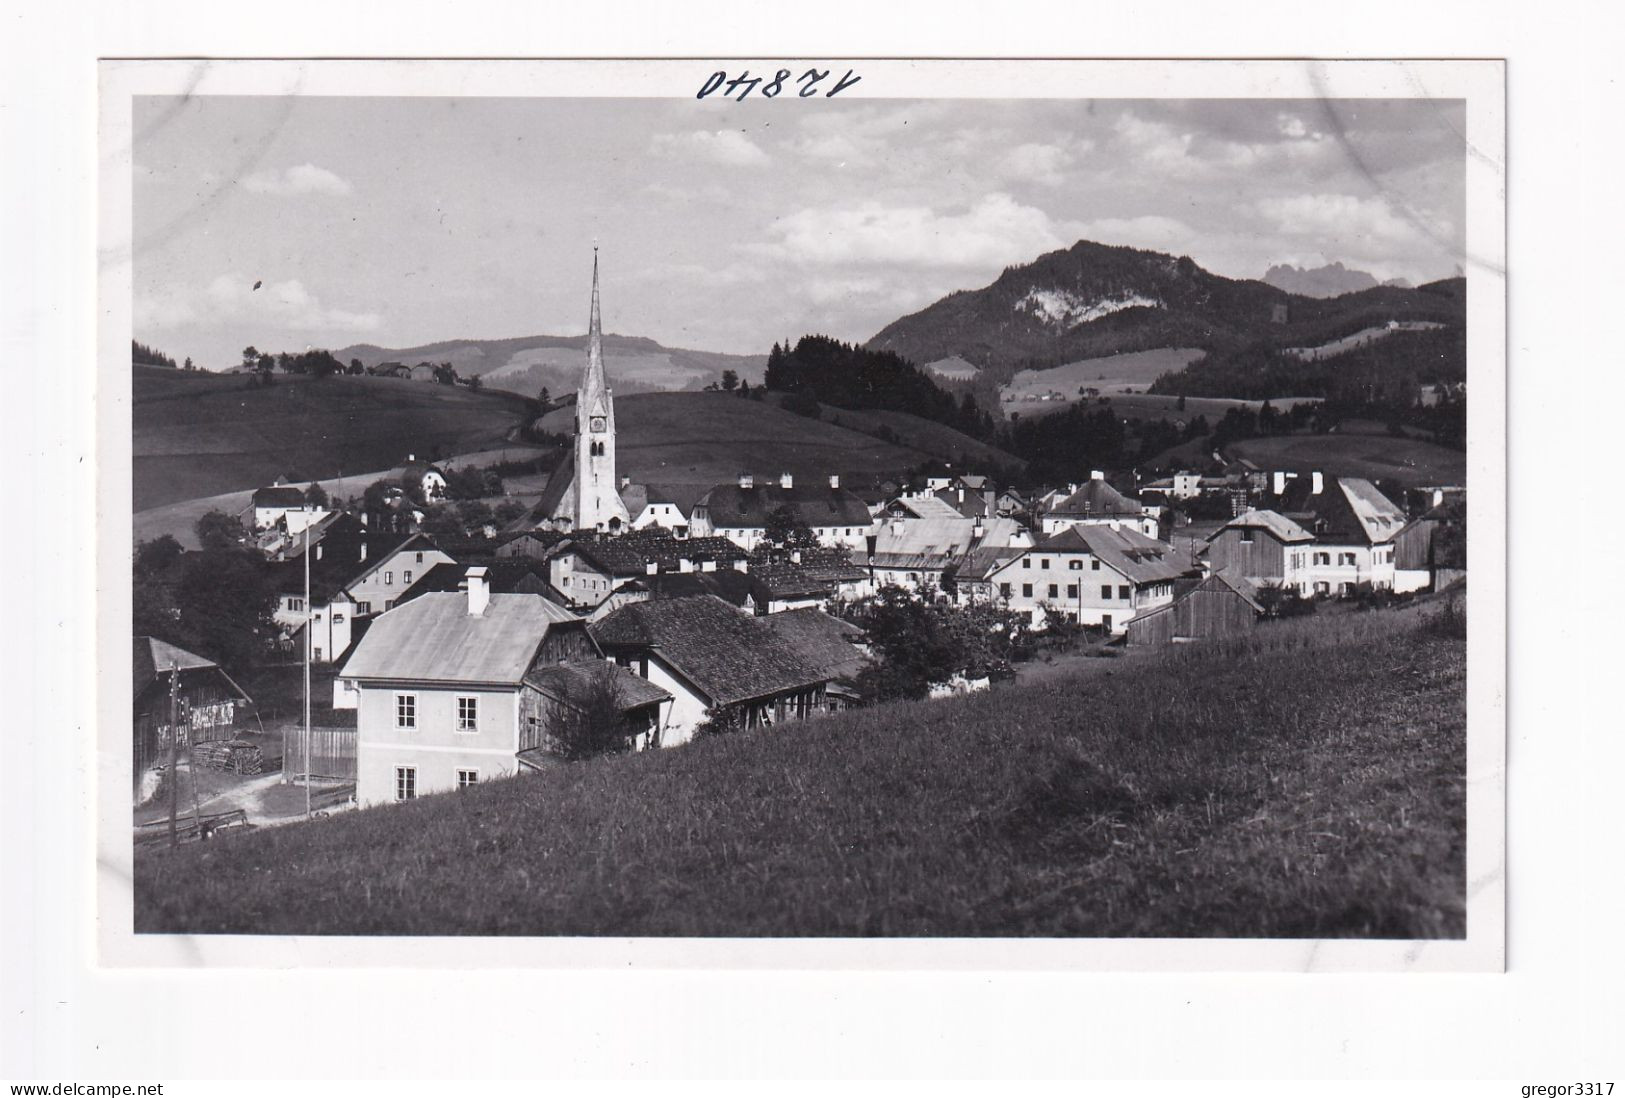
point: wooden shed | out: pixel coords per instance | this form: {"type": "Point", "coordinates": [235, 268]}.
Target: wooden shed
{"type": "Point", "coordinates": [1219, 606]}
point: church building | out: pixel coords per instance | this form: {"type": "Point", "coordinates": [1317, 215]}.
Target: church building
{"type": "Point", "coordinates": [584, 494]}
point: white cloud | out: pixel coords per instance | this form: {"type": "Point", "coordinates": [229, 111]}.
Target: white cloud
{"type": "Point", "coordinates": [232, 299]}
{"type": "Point", "coordinates": [301, 179]}
{"type": "Point", "coordinates": [1036, 163]}
{"type": "Point", "coordinates": [1153, 231]}
{"type": "Point", "coordinates": [730, 147]}
{"type": "Point", "coordinates": [1345, 218]}
{"type": "Point", "coordinates": [996, 231]}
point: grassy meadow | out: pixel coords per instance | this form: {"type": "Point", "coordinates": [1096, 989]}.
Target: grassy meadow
{"type": "Point", "coordinates": [1308, 780]}
{"type": "Point", "coordinates": [1407, 461]}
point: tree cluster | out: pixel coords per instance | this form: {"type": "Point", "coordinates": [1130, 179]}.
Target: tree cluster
{"type": "Point", "coordinates": [142, 355]}
{"type": "Point", "coordinates": [847, 376]}
{"type": "Point", "coordinates": [217, 603]}
{"type": "Point", "coordinates": [919, 642]}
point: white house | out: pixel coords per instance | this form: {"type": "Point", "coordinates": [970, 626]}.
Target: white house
{"type": "Point", "coordinates": [1093, 575]}
{"type": "Point", "coordinates": [740, 512]}
{"type": "Point", "coordinates": [455, 687]}
{"type": "Point", "coordinates": [1354, 527]}
{"type": "Point", "coordinates": [916, 552]}
{"type": "Point", "coordinates": [286, 503]}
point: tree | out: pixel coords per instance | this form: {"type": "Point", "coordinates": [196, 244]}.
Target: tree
{"type": "Point", "coordinates": [224, 603]}
{"type": "Point", "coordinates": [1180, 403]}
{"type": "Point", "coordinates": [730, 381]}
{"type": "Point", "coordinates": [218, 530]}
{"type": "Point", "coordinates": [594, 722]}
{"type": "Point", "coordinates": [188, 365]}
{"type": "Point", "coordinates": [783, 528]}
{"type": "Point", "coordinates": [475, 384]}
{"type": "Point", "coordinates": [316, 495]}
{"type": "Point", "coordinates": [251, 358]}
{"type": "Point", "coordinates": [508, 512]}
{"type": "Point", "coordinates": [154, 556]}
{"type": "Point", "coordinates": [356, 367]}
{"type": "Point", "coordinates": [545, 399]}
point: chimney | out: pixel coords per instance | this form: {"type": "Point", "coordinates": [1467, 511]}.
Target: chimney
{"type": "Point", "coordinates": [1319, 482]}
{"type": "Point", "coordinates": [411, 458]}
{"type": "Point", "coordinates": [319, 548]}
{"type": "Point", "coordinates": [1096, 474]}
{"type": "Point", "coordinates": [363, 551]}
{"type": "Point", "coordinates": [786, 481]}
{"type": "Point", "coordinates": [1278, 482]}
{"type": "Point", "coordinates": [746, 480]}
{"type": "Point", "coordinates": [479, 591]}
{"type": "Point", "coordinates": [977, 530]}
{"type": "Point", "coordinates": [626, 482]}
{"type": "Point", "coordinates": [896, 527]}
{"type": "Point", "coordinates": [708, 566]}
{"type": "Point", "coordinates": [365, 515]}
{"type": "Point", "coordinates": [834, 480]}
{"type": "Point", "coordinates": [961, 495]}
{"type": "Point", "coordinates": [652, 568]}
{"type": "Point", "coordinates": [795, 556]}
{"type": "Point", "coordinates": [685, 565]}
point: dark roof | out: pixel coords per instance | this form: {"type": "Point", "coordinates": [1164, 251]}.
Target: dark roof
{"type": "Point", "coordinates": [1129, 552]}
{"type": "Point", "coordinates": [506, 576]}
{"type": "Point", "coordinates": [728, 656]}
{"type": "Point", "coordinates": [821, 639]}
{"type": "Point", "coordinates": [279, 495]}
{"type": "Point", "coordinates": [559, 482]}
{"type": "Point", "coordinates": [631, 553]}
{"type": "Point", "coordinates": [335, 564]}
{"type": "Point", "coordinates": [153, 658]}
{"type": "Point", "coordinates": [1097, 498]}
{"type": "Point", "coordinates": [573, 683]}
{"type": "Point", "coordinates": [728, 584]}
{"type": "Point", "coordinates": [1347, 510]}
{"type": "Point", "coordinates": [728, 505]}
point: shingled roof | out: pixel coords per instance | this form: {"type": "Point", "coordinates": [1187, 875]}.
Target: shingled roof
{"type": "Point", "coordinates": [728, 656]}
{"type": "Point", "coordinates": [1130, 553]}
{"type": "Point", "coordinates": [822, 640]}
{"type": "Point", "coordinates": [434, 638]}
{"type": "Point", "coordinates": [1279, 526]}
{"type": "Point", "coordinates": [573, 682]}
{"type": "Point", "coordinates": [733, 507]}
{"type": "Point", "coordinates": [1097, 499]}
{"type": "Point", "coordinates": [279, 495]}
{"type": "Point", "coordinates": [153, 658]}
{"type": "Point", "coordinates": [630, 554]}
{"type": "Point", "coordinates": [1345, 510]}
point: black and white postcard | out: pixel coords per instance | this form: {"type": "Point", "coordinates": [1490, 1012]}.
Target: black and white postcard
{"type": "Point", "coordinates": [808, 512]}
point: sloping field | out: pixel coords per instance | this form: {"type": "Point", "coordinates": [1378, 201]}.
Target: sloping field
{"type": "Point", "coordinates": [707, 438]}
{"type": "Point", "coordinates": [201, 435]}
{"type": "Point", "coordinates": [1408, 461]}
{"type": "Point", "coordinates": [1198, 792]}
{"type": "Point", "coordinates": [927, 437]}
{"type": "Point", "coordinates": [1111, 374]}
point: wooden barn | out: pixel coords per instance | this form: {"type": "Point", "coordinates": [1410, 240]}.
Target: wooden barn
{"type": "Point", "coordinates": [1219, 606]}
{"type": "Point", "coordinates": [206, 703]}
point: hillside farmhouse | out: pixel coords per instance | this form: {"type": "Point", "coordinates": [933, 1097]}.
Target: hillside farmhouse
{"type": "Point", "coordinates": [1353, 525]}
{"type": "Point", "coordinates": [207, 699]}
{"type": "Point", "coordinates": [285, 504]}
{"type": "Point", "coordinates": [711, 657]}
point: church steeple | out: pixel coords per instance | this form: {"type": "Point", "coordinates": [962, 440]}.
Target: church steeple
{"type": "Point", "coordinates": [594, 389]}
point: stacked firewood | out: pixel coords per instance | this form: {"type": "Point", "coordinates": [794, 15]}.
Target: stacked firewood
{"type": "Point", "coordinates": [237, 756]}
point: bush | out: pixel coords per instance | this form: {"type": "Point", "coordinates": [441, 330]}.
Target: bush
{"type": "Point", "coordinates": [1450, 619]}
{"type": "Point", "coordinates": [594, 724]}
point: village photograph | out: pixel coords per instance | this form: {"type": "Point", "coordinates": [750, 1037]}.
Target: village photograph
{"type": "Point", "coordinates": [798, 515]}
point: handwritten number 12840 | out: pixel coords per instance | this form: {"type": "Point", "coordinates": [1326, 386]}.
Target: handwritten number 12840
{"type": "Point", "coordinates": [805, 85]}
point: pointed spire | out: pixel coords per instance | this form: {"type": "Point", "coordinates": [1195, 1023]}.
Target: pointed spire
{"type": "Point", "coordinates": [593, 385]}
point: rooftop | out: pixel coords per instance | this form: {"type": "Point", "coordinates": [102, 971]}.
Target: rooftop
{"type": "Point", "coordinates": [434, 638]}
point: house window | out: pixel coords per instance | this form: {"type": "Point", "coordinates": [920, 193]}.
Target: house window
{"type": "Point", "coordinates": [406, 710]}
{"type": "Point", "coordinates": [466, 778]}
{"type": "Point", "coordinates": [316, 653]}
{"type": "Point", "coordinates": [419, 560]}
{"type": "Point", "coordinates": [468, 714]}
{"type": "Point", "coordinates": [1026, 562]}
{"type": "Point", "coordinates": [1075, 565]}
{"type": "Point", "coordinates": [1004, 590]}
{"type": "Point", "coordinates": [1094, 566]}
{"type": "Point", "coordinates": [389, 578]}
{"type": "Point", "coordinates": [1026, 590]}
{"type": "Point", "coordinates": [1122, 591]}
{"type": "Point", "coordinates": [1071, 590]}
{"type": "Point", "coordinates": [1247, 536]}
{"type": "Point", "coordinates": [296, 604]}
{"type": "Point", "coordinates": [1345, 558]}
{"type": "Point", "coordinates": [1322, 587]}
{"type": "Point", "coordinates": [1105, 590]}
{"type": "Point", "coordinates": [406, 577]}
{"type": "Point", "coordinates": [1323, 558]}
{"type": "Point", "coordinates": [338, 619]}
{"type": "Point", "coordinates": [1054, 591]}
{"type": "Point", "coordinates": [363, 608]}
{"type": "Point", "coordinates": [406, 783]}
{"type": "Point", "coordinates": [1044, 564]}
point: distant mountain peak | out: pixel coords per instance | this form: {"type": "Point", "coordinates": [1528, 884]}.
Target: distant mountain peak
{"type": "Point", "coordinates": [1329, 280]}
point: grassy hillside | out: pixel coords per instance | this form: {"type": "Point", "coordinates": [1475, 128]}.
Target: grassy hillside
{"type": "Point", "coordinates": [706, 438]}
{"type": "Point", "coordinates": [526, 363]}
{"type": "Point", "coordinates": [926, 437]}
{"type": "Point", "coordinates": [1405, 461]}
{"type": "Point", "coordinates": [204, 434]}
{"type": "Point", "coordinates": [1198, 791]}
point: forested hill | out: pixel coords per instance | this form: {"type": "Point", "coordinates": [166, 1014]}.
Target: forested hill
{"type": "Point", "coordinates": [1092, 300]}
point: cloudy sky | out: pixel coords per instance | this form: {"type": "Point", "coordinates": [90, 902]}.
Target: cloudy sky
{"type": "Point", "coordinates": [725, 226]}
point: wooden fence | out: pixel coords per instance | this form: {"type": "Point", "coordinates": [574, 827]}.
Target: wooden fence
{"type": "Point", "coordinates": [332, 753]}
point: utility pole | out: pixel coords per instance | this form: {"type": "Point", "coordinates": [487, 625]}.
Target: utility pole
{"type": "Point", "coordinates": [309, 640]}
{"type": "Point", "coordinates": [174, 753]}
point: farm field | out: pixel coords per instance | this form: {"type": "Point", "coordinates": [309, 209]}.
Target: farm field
{"type": "Point", "coordinates": [204, 434]}
{"type": "Point", "coordinates": [1111, 374]}
{"type": "Point", "coordinates": [708, 438]}
{"type": "Point", "coordinates": [953, 368]}
{"type": "Point", "coordinates": [1407, 461]}
{"type": "Point", "coordinates": [177, 519]}
{"type": "Point", "coordinates": [1196, 791]}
